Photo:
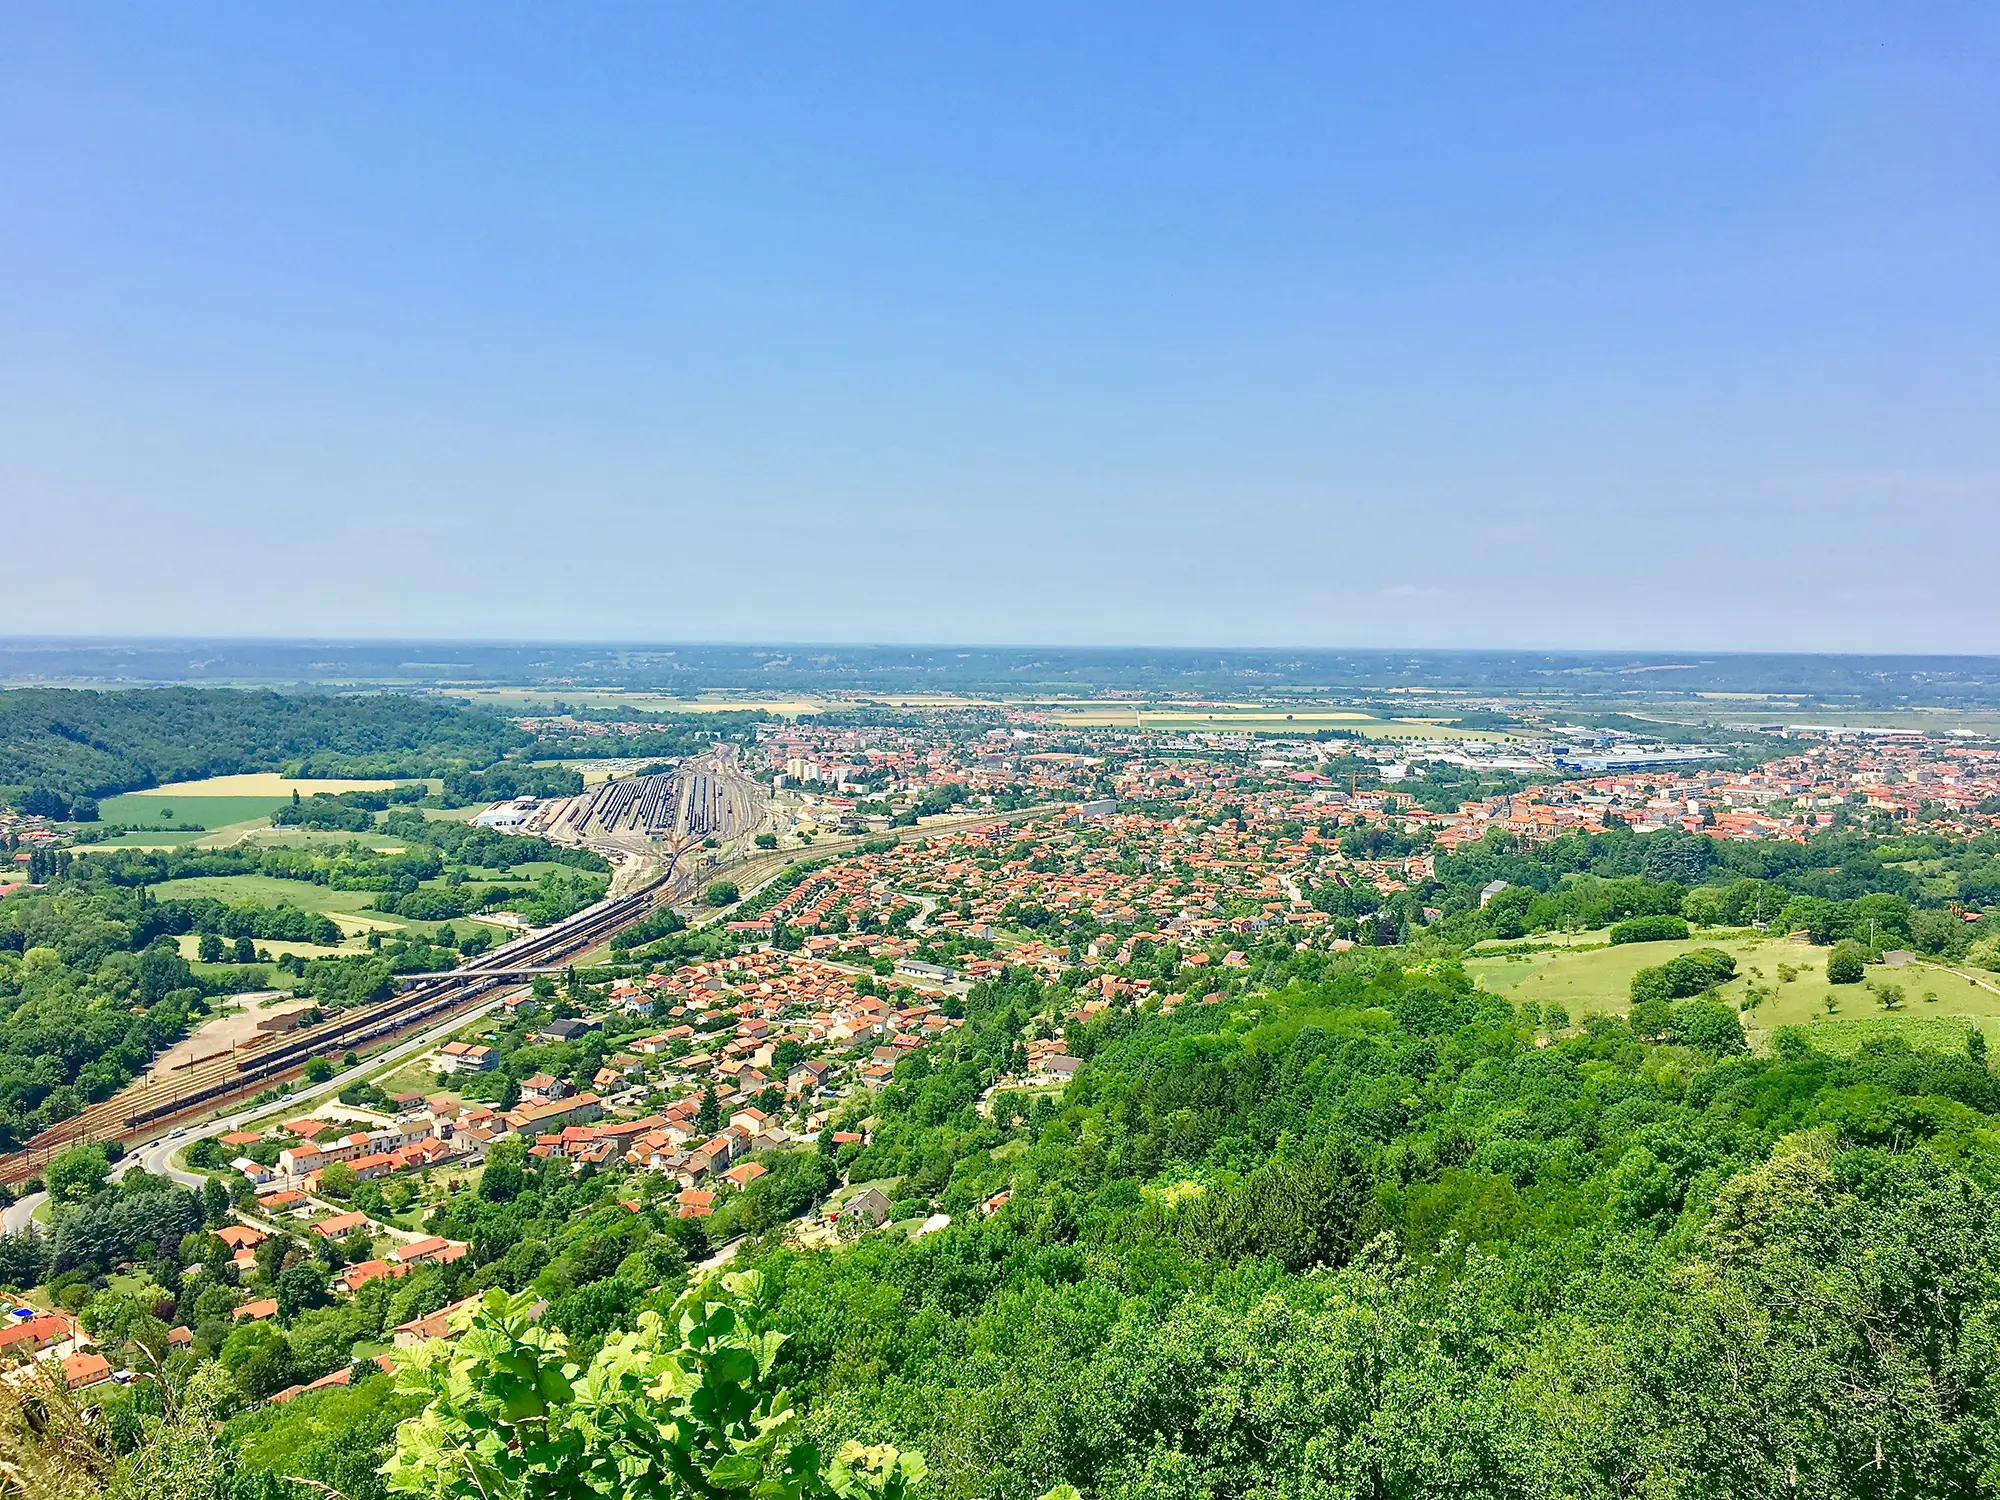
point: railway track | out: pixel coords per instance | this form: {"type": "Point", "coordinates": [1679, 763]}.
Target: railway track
{"type": "Point", "coordinates": [644, 805]}
{"type": "Point", "coordinates": [704, 797]}
{"type": "Point", "coordinates": [218, 1076]}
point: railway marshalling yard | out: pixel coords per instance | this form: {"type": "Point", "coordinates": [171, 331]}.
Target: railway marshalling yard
{"type": "Point", "coordinates": [640, 823]}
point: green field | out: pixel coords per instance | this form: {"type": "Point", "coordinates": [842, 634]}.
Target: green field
{"type": "Point", "coordinates": [526, 873]}
{"type": "Point", "coordinates": [222, 818]}
{"type": "Point", "coordinates": [169, 840]}
{"type": "Point", "coordinates": [225, 818]}
{"type": "Point", "coordinates": [1933, 1033]}
{"type": "Point", "coordinates": [1803, 1003]}
{"type": "Point", "coordinates": [1595, 977]}
{"type": "Point", "coordinates": [210, 812]}
{"type": "Point", "coordinates": [413, 1077]}
{"type": "Point", "coordinates": [349, 908]}
{"type": "Point", "coordinates": [463, 814]}
{"type": "Point", "coordinates": [1598, 979]}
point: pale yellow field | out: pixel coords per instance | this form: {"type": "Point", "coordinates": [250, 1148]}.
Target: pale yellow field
{"type": "Point", "coordinates": [1270, 721]}
{"type": "Point", "coordinates": [942, 701]}
{"type": "Point", "coordinates": [1218, 717]}
{"type": "Point", "coordinates": [1042, 701]}
{"type": "Point", "coordinates": [1409, 731]}
{"type": "Point", "coordinates": [351, 922]}
{"type": "Point", "coordinates": [262, 784]}
{"type": "Point", "coordinates": [536, 700]}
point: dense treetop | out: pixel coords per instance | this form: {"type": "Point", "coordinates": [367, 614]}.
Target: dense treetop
{"type": "Point", "coordinates": [97, 743]}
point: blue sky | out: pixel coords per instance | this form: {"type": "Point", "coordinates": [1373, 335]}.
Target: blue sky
{"type": "Point", "coordinates": [1449, 325]}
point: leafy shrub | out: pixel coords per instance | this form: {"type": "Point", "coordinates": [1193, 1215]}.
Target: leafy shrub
{"type": "Point", "coordinates": [428, 904]}
{"type": "Point", "coordinates": [687, 1406]}
{"type": "Point", "coordinates": [664, 922]}
{"type": "Point", "coordinates": [1658, 929]}
{"type": "Point", "coordinates": [1709, 1027]}
{"type": "Point", "coordinates": [326, 813]}
{"type": "Point", "coordinates": [1845, 965]}
{"type": "Point", "coordinates": [1688, 974]}
{"type": "Point", "coordinates": [1300, 1213]}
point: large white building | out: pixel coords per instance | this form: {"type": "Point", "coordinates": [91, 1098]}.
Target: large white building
{"type": "Point", "coordinates": [506, 815]}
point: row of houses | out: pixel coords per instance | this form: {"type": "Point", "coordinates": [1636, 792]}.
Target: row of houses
{"type": "Point", "coordinates": [673, 1143]}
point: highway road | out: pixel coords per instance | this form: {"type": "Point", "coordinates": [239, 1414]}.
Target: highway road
{"type": "Point", "coordinates": [20, 1213]}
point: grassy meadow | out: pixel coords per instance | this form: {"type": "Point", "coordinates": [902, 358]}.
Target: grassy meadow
{"type": "Point", "coordinates": [1594, 978]}
{"type": "Point", "coordinates": [210, 812]}
{"type": "Point", "coordinates": [346, 908]}
{"type": "Point", "coordinates": [227, 807]}
{"type": "Point", "coordinates": [350, 910]}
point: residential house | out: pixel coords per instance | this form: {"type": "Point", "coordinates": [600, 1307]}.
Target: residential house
{"type": "Point", "coordinates": [378, 1164]}
{"type": "Point", "coordinates": [343, 1376]}
{"type": "Point", "coordinates": [85, 1369]}
{"type": "Point", "coordinates": [430, 1250]}
{"type": "Point", "coordinates": [467, 1057]}
{"type": "Point", "coordinates": [339, 1224]}
{"type": "Point", "coordinates": [437, 1325]}
{"type": "Point", "coordinates": [869, 1208]}
{"type": "Point", "coordinates": [50, 1332]}
{"type": "Point", "coordinates": [534, 1118]}
{"type": "Point", "coordinates": [299, 1160]}
{"type": "Point", "coordinates": [353, 1278]}
{"type": "Point", "coordinates": [541, 1088]}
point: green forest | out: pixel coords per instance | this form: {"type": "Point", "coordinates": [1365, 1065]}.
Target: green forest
{"type": "Point", "coordinates": [1369, 1234]}
{"type": "Point", "coordinates": [71, 743]}
{"type": "Point", "coordinates": [667, 735]}
{"type": "Point", "coordinates": [92, 979]}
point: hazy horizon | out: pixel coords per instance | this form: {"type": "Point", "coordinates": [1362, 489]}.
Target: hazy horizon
{"type": "Point", "coordinates": [1767, 684]}
{"type": "Point", "coordinates": [16, 639]}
